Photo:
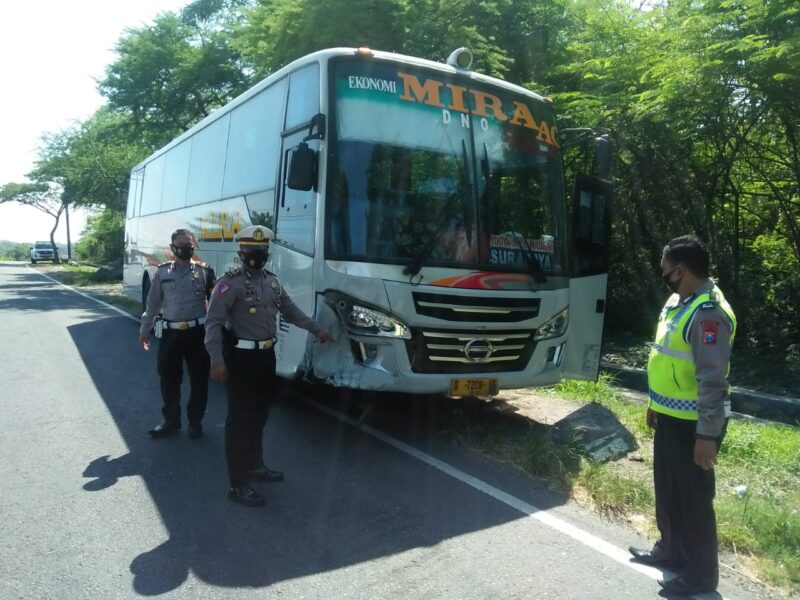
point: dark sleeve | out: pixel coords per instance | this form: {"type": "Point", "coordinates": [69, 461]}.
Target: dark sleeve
{"type": "Point", "coordinates": [211, 280]}
{"type": "Point", "coordinates": [155, 299]}
{"type": "Point", "coordinates": [710, 338]}
{"type": "Point", "coordinates": [222, 300]}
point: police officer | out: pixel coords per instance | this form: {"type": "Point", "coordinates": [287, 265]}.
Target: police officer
{"type": "Point", "coordinates": [179, 292]}
{"type": "Point", "coordinates": [240, 338]}
{"type": "Point", "coordinates": [689, 406]}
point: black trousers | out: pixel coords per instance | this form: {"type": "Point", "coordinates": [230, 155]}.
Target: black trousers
{"type": "Point", "coordinates": [251, 386]}
{"type": "Point", "coordinates": [175, 347]}
{"type": "Point", "coordinates": [685, 501]}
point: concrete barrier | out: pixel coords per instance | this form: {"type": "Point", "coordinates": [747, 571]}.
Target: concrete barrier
{"type": "Point", "coordinates": [772, 407]}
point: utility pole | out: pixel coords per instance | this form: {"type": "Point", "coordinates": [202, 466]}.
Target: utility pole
{"type": "Point", "coordinates": [69, 245]}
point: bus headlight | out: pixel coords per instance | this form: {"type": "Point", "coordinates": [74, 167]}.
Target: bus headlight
{"type": "Point", "coordinates": [362, 320]}
{"type": "Point", "coordinates": [554, 327]}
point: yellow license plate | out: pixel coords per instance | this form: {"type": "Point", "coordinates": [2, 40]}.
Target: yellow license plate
{"type": "Point", "coordinates": [473, 387]}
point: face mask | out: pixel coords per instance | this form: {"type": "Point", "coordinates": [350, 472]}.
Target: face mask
{"type": "Point", "coordinates": [255, 259]}
{"type": "Point", "coordinates": [672, 286]}
{"type": "Point", "coordinates": [183, 252]}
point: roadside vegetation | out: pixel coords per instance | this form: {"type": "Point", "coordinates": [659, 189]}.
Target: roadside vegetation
{"type": "Point", "coordinates": [758, 478]}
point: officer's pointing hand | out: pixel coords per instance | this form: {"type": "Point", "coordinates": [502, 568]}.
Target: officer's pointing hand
{"type": "Point", "coordinates": [324, 336]}
{"type": "Point", "coordinates": [144, 341]}
{"type": "Point", "coordinates": [219, 372]}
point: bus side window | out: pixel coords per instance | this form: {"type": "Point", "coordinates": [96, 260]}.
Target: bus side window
{"type": "Point", "coordinates": [296, 223]}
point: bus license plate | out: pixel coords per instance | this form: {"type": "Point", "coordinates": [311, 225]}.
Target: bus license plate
{"type": "Point", "coordinates": [473, 387]}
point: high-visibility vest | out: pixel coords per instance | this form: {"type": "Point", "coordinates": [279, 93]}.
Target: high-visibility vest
{"type": "Point", "coordinates": [670, 366]}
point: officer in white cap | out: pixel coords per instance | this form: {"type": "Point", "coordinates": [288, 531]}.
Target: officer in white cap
{"type": "Point", "coordinates": [241, 333]}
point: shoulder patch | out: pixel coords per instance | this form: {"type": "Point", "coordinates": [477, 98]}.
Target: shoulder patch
{"type": "Point", "coordinates": [222, 287]}
{"type": "Point", "coordinates": [709, 327]}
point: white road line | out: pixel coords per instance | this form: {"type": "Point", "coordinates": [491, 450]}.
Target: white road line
{"type": "Point", "coordinates": [72, 289]}
{"type": "Point", "coordinates": [584, 537]}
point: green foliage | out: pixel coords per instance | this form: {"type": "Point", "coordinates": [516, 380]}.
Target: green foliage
{"type": "Point", "coordinates": [701, 99]}
{"type": "Point", "coordinates": [14, 251]}
{"type": "Point", "coordinates": [169, 75]}
{"type": "Point", "coordinates": [103, 239]}
{"type": "Point", "coordinates": [614, 493]}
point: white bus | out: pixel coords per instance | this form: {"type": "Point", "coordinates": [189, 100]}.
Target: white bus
{"type": "Point", "coordinates": [420, 216]}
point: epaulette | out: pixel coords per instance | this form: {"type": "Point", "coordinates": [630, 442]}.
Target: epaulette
{"type": "Point", "coordinates": [233, 272]}
{"type": "Point", "coordinates": [165, 264]}
{"type": "Point", "coordinates": [708, 304]}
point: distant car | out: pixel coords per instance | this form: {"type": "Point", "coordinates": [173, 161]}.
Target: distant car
{"type": "Point", "coordinates": [43, 251]}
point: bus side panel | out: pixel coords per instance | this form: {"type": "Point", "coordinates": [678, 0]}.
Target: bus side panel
{"type": "Point", "coordinates": [294, 271]}
{"type": "Point", "coordinates": [587, 299]}
{"type": "Point", "coordinates": [132, 265]}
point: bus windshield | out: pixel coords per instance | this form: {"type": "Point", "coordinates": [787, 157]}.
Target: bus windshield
{"type": "Point", "coordinates": [428, 168]}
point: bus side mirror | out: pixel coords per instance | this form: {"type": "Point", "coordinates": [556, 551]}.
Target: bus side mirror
{"type": "Point", "coordinates": [302, 168]}
{"type": "Point", "coordinates": [603, 156]}
{"type": "Point", "coordinates": [591, 223]}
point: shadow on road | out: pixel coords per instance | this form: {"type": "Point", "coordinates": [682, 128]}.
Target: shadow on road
{"type": "Point", "coordinates": [347, 498]}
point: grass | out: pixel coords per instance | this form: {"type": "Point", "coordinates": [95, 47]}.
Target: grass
{"type": "Point", "coordinates": [761, 526]}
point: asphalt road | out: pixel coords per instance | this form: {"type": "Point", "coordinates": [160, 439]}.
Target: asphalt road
{"type": "Point", "coordinates": [90, 507]}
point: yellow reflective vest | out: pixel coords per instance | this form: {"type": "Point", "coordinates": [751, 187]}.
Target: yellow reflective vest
{"type": "Point", "coordinates": [670, 366]}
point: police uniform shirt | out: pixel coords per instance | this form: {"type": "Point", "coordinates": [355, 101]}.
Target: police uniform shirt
{"type": "Point", "coordinates": [248, 304]}
{"type": "Point", "coordinates": [178, 292]}
{"type": "Point", "coordinates": [709, 335]}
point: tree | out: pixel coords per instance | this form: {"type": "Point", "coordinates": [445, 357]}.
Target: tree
{"type": "Point", "coordinates": [170, 75]}
{"type": "Point", "coordinates": [42, 196]}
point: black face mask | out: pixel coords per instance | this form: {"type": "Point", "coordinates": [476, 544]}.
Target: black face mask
{"type": "Point", "coordinates": [183, 252]}
{"type": "Point", "coordinates": [672, 286]}
{"type": "Point", "coordinates": [255, 259]}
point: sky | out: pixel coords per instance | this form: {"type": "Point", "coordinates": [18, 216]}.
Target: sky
{"type": "Point", "coordinates": [52, 52]}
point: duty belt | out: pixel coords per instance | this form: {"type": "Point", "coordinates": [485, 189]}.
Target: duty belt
{"type": "Point", "coordinates": [184, 324]}
{"type": "Point", "coordinates": [256, 344]}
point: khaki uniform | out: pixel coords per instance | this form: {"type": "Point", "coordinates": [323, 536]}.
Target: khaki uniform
{"type": "Point", "coordinates": [247, 303]}
{"type": "Point", "coordinates": [179, 293]}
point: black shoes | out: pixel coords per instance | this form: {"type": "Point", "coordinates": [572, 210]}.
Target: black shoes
{"type": "Point", "coordinates": [195, 430]}
{"type": "Point", "coordinates": [680, 587]}
{"type": "Point", "coordinates": [263, 473]}
{"type": "Point", "coordinates": [246, 496]}
{"type": "Point", "coordinates": [655, 557]}
{"type": "Point", "coordinates": [163, 430]}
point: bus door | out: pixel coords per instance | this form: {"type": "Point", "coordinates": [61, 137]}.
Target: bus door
{"type": "Point", "coordinates": [293, 255]}
{"type": "Point", "coordinates": [591, 234]}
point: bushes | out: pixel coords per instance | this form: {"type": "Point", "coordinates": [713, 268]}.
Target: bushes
{"type": "Point", "coordinates": [103, 239]}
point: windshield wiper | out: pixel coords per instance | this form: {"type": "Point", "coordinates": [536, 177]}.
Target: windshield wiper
{"type": "Point", "coordinates": [416, 263]}
{"type": "Point", "coordinates": [534, 266]}
{"type": "Point", "coordinates": [425, 252]}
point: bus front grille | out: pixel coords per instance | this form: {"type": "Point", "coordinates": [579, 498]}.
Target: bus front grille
{"type": "Point", "coordinates": [487, 309]}
{"type": "Point", "coordinates": [469, 351]}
